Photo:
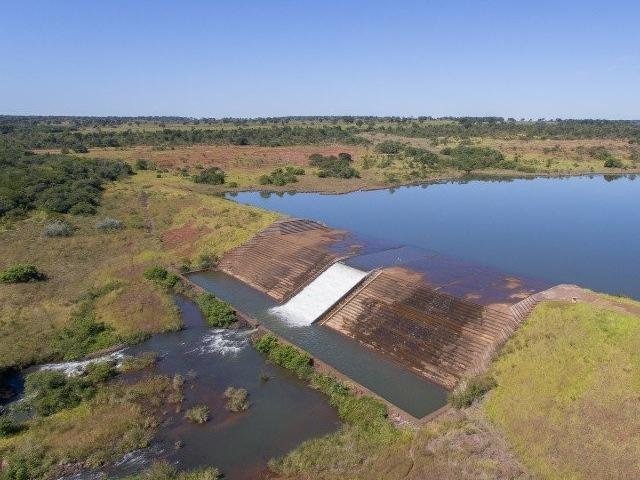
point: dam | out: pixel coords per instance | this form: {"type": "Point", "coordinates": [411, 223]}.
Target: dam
{"type": "Point", "coordinates": [435, 317]}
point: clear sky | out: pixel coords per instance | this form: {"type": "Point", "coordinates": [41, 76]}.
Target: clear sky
{"type": "Point", "coordinates": [563, 58]}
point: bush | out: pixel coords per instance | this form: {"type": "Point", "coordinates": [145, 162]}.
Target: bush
{"type": "Point", "coordinates": [205, 262]}
{"type": "Point", "coordinates": [345, 157]}
{"type": "Point", "coordinates": [142, 164]}
{"type": "Point", "coordinates": [83, 334]}
{"type": "Point", "coordinates": [50, 391]}
{"type": "Point", "coordinates": [236, 399]}
{"type": "Point", "coordinates": [281, 176]}
{"type": "Point", "coordinates": [471, 390]}
{"type": "Point", "coordinates": [21, 273]}
{"type": "Point", "coordinates": [284, 355]}
{"type": "Point", "coordinates": [332, 166]}
{"type": "Point", "coordinates": [389, 147]}
{"type": "Point", "coordinates": [217, 313]}
{"type": "Point", "coordinates": [613, 162]}
{"type": "Point", "coordinates": [211, 176]}
{"type": "Point", "coordinates": [468, 158]}
{"type": "Point", "coordinates": [9, 426]}
{"type": "Point", "coordinates": [161, 276]}
{"type": "Point", "coordinates": [109, 224]}
{"type": "Point", "coordinates": [57, 228]}
{"type": "Point", "coordinates": [198, 414]}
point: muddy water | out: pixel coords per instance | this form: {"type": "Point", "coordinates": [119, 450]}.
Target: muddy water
{"type": "Point", "coordinates": [583, 230]}
{"type": "Point", "coordinates": [409, 392]}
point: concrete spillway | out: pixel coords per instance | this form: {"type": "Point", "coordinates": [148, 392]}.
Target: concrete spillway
{"type": "Point", "coordinates": [320, 295]}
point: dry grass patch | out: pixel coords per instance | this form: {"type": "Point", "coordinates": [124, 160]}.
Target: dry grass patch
{"type": "Point", "coordinates": [32, 313]}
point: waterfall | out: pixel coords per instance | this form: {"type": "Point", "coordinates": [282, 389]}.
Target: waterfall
{"type": "Point", "coordinates": [319, 295]}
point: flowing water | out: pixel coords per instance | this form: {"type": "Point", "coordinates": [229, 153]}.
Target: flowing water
{"type": "Point", "coordinates": [402, 388]}
{"type": "Point", "coordinates": [583, 230]}
{"type": "Point", "coordinates": [320, 295]}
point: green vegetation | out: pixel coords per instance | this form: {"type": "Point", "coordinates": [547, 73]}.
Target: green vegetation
{"type": "Point", "coordinates": [389, 147]}
{"type": "Point", "coordinates": [284, 355]}
{"type": "Point", "coordinates": [83, 333]}
{"type": "Point", "coordinates": [55, 183]}
{"type": "Point", "coordinates": [237, 399]}
{"type": "Point", "coordinates": [49, 391]}
{"type": "Point", "coordinates": [9, 426]}
{"type": "Point", "coordinates": [116, 419]}
{"type": "Point", "coordinates": [198, 414]}
{"type": "Point", "coordinates": [281, 176]}
{"type": "Point", "coordinates": [140, 362]}
{"type": "Point", "coordinates": [332, 166]}
{"type": "Point", "coordinates": [161, 276]}
{"type": "Point", "coordinates": [165, 471]}
{"type": "Point", "coordinates": [210, 176]}
{"type": "Point", "coordinates": [21, 273]}
{"type": "Point", "coordinates": [471, 390]}
{"type": "Point", "coordinates": [568, 384]}
{"type": "Point", "coordinates": [468, 158]}
{"type": "Point", "coordinates": [217, 313]}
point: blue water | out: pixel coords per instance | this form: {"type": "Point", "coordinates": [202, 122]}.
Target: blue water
{"type": "Point", "coordinates": [583, 230]}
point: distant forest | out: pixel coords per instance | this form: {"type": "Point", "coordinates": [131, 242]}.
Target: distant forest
{"type": "Point", "coordinates": [80, 133]}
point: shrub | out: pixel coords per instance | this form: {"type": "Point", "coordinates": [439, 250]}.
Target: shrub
{"type": "Point", "coordinates": [9, 426]}
{"type": "Point", "coordinates": [236, 399]}
{"type": "Point", "coordinates": [284, 355]}
{"type": "Point", "coordinates": [161, 276]}
{"type": "Point", "coordinates": [613, 162]}
{"type": "Point", "coordinates": [50, 391]}
{"type": "Point", "coordinates": [216, 313]}
{"type": "Point", "coordinates": [389, 147]}
{"type": "Point", "coordinates": [210, 175]}
{"type": "Point", "coordinates": [57, 228]}
{"type": "Point", "coordinates": [232, 184]}
{"type": "Point", "coordinates": [21, 273]}
{"type": "Point", "coordinates": [468, 158]}
{"type": "Point", "coordinates": [332, 166]}
{"type": "Point", "coordinates": [142, 164]}
{"type": "Point", "coordinates": [82, 208]}
{"type": "Point", "coordinates": [83, 334]}
{"type": "Point", "coordinates": [206, 262]}
{"type": "Point", "coordinates": [281, 176]}
{"type": "Point", "coordinates": [346, 157]}
{"type": "Point", "coordinates": [471, 390]}
{"type": "Point", "coordinates": [109, 224]}
{"type": "Point", "coordinates": [198, 414]}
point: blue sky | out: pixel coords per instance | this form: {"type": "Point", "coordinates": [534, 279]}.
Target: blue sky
{"type": "Point", "coordinates": [577, 59]}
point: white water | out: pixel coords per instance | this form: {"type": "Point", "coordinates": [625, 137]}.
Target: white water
{"type": "Point", "coordinates": [76, 368]}
{"type": "Point", "coordinates": [320, 295]}
{"type": "Point", "coordinates": [223, 341]}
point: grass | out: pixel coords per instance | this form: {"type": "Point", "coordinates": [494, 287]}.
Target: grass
{"type": "Point", "coordinates": [165, 471]}
{"type": "Point", "coordinates": [237, 399]}
{"type": "Point", "coordinates": [166, 220]}
{"type": "Point", "coordinates": [197, 414]}
{"type": "Point", "coordinates": [216, 313]}
{"type": "Point", "coordinates": [119, 418]}
{"type": "Point", "coordinates": [568, 393]}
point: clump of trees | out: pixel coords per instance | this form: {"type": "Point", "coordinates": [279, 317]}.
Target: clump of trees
{"type": "Point", "coordinates": [282, 176]}
{"type": "Point", "coordinates": [237, 399]}
{"type": "Point", "coordinates": [56, 183]}
{"type": "Point", "coordinates": [332, 166]}
{"type": "Point", "coordinates": [217, 313]}
{"type": "Point", "coordinates": [210, 176]}
{"type": "Point", "coordinates": [21, 273]}
{"type": "Point", "coordinates": [470, 157]}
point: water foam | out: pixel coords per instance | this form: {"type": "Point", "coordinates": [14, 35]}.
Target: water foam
{"type": "Point", "coordinates": [223, 342]}
{"type": "Point", "coordinates": [72, 369]}
{"type": "Point", "coordinates": [320, 295]}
